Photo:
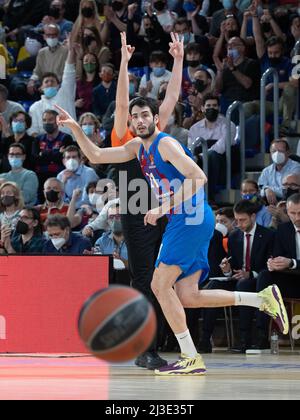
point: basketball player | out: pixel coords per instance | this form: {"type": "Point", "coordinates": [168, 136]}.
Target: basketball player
{"type": "Point", "coordinates": [182, 262]}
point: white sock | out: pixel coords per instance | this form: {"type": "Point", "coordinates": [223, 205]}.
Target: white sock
{"type": "Point", "coordinates": [186, 344]}
{"type": "Point", "coordinates": [247, 299]}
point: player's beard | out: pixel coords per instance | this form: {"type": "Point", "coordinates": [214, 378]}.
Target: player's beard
{"type": "Point", "coordinates": [151, 131]}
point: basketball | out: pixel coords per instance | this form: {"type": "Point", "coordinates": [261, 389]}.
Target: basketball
{"type": "Point", "coordinates": [117, 324]}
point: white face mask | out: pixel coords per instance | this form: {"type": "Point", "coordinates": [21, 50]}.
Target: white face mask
{"type": "Point", "coordinates": [32, 46]}
{"type": "Point", "coordinates": [58, 243]}
{"type": "Point", "coordinates": [222, 228]}
{"type": "Point", "coordinates": [52, 42]}
{"type": "Point", "coordinates": [72, 165]}
{"type": "Point", "coordinates": [96, 200]}
{"type": "Point", "coordinates": [278, 158]}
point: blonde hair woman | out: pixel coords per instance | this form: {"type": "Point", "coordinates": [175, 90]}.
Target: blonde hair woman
{"type": "Point", "coordinates": [11, 204]}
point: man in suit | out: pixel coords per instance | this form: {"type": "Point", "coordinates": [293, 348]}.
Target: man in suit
{"type": "Point", "coordinates": [249, 248]}
{"type": "Point", "coordinates": [284, 266]}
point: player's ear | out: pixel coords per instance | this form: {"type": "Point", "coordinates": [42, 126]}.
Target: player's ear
{"type": "Point", "coordinates": [156, 119]}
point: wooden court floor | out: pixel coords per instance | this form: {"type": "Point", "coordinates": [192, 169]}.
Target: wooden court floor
{"type": "Point", "coordinates": [80, 377]}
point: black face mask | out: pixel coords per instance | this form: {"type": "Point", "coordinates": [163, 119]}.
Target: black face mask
{"type": "Point", "coordinates": [54, 12]}
{"type": "Point", "coordinates": [8, 200]}
{"type": "Point", "coordinates": [87, 12]}
{"type": "Point", "coordinates": [117, 6]}
{"type": "Point", "coordinates": [288, 192]}
{"type": "Point", "coordinates": [212, 114]}
{"type": "Point", "coordinates": [193, 63]}
{"type": "Point", "coordinates": [150, 33]}
{"type": "Point", "coordinates": [200, 86]}
{"type": "Point", "coordinates": [162, 95]}
{"type": "Point", "coordinates": [52, 196]}
{"type": "Point", "coordinates": [266, 27]}
{"type": "Point", "coordinates": [233, 34]}
{"type": "Point", "coordinates": [159, 5]}
{"type": "Point", "coordinates": [49, 128]}
{"type": "Point", "coordinates": [275, 61]}
{"type": "Point", "coordinates": [22, 228]}
{"type": "Point", "coordinates": [87, 40]}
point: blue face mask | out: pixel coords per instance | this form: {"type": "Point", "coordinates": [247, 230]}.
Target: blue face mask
{"type": "Point", "coordinates": [234, 54]}
{"type": "Point", "coordinates": [50, 92]}
{"type": "Point", "coordinates": [227, 4]}
{"type": "Point", "coordinates": [88, 130]}
{"type": "Point", "coordinates": [250, 197]}
{"type": "Point", "coordinates": [186, 38]}
{"type": "Point", "coordinates": [15, 163]}
{"type": "Point", "coordinates": [159, 71]}
{"type": "Point", "coordinates": [131, 89]}
{"type": "Point", "coordinates": [18, 127]}
{"type": "Point", "coordinates": [189, 7]}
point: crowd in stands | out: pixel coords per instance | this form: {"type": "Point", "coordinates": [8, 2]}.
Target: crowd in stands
{"type": "Point", "coordinates": [68, 53]}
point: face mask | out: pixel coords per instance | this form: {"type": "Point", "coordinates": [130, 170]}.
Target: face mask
{"type": "Point", "coordinates": [275, 61]}
{"type": "Point", "coordinates": [58, 243]}
{"type": "Point", "coordinates": [88, 130]}
{"type": "Point", "coordinates": [72, 165]}
{"type": "Point", "coordinates": [116, 227]}
{"type": "Point", "coordinates": [193, 63]}
{"type": "Point", "coordinates": [227, 4]}
{"type": "Point", "coordinates": [87, 12]}
{"type": "Point", "coordinates": [52, 42]}
{"type": "Point", "coordinates": [90, 68]}
{"type": "Point", "coordinates": [95, 199]}
{"type": "Point", "coordinates": [186, 38]}
{"type": "Point", "coordinates": [159, 5]}
{"type": "Point", "coordinates": [50, 92]}
{"type": "Point", "coordinates": [150, 33]}
{"type": "Point", "coordinates": [234, 54]}
{"type": "Point", "coordinates": [22, 228]}
{"type": "Point", "coordinates": [159, 71]}
{"type": "Point", "coordinates": [18, 127]}
{"type": "Point", "coordinates": [278, 158]}
{"type": "Point", "coordinates": [200, 86]}
{"type": "Point", "coordinates": [16, 163]}
{"type": "Point", "coordinates": [117, 6]}
{"type": "Point", "coordinates": [54, 12]}
{"type": "Point", "coordinates": [212, 114]}
{"type": "Point", "coordinates": [8, 200]}
{"type": "Point", "coordinates": [87, 40]}
{"type": "Point", "coordinates": [52, 196]}
{"type": "Point", "coordinates": [162, 95]}
{"type": "Point", "coordinates": [49, 128]}
{"type": "Point", "coordinates": [131, 89]}
{"type": "Point", "coordinates": [266, 27]}
{"type": "Point", "coordinates": [233, 34]}
{"type": "Point", "coordinates": [32, 46]}
{"type": "Point", "coordinates": [189, 7]}
{"type": "Point", "coordinates": [288, 192]}
{"type": "Point", "coordinates": [222, 228]}
{"type": "Point", "coordinates": [250, 197]}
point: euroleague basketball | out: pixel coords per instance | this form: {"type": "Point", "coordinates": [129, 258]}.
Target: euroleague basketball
{"type": "Point", "coordinates": [117, 324]}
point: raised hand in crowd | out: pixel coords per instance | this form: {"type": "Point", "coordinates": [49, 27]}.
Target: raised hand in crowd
{"type": "Point", "coordinates": [132, 9]}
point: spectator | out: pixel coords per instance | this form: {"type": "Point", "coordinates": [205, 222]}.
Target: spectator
{"type": "Point", "coordinates": [159, 75]}
{"type": "Point", "coordinates": [239, 77]}
{"type": "Point", "coordinates": [174, 126]}
{"type": "Point", "coordinates": [212, 127]}
{"type": "Point", "coordinates": [270, 181]}
{"type": "Point", "coordinates": [229, 29]}
{"type": "Point", "coordinates": [91, 127]}
{"type": "Point", "coordinates": [47, 149]}
{"type": "Point", "coordinates": [26, 180]}
{"type": "Point", "coordinates": [76, 175]}
{"type": "Point", "coordinates": [182, 26]}
{"type": "Point", "coordinates": [11, 204]}
{"type": "Point", "coordinates": [54, 94]}
{"type": "Point", "coordinates": [165, 17]}
{"type": "Point", "coordinates": [219, 16]}
{"type": "Point", "coordinates": [284, 266]}
{"type": "Point", "coordinates": [52, 58]}
{"type": "Point", "coordinates": [87, 83]}
{"type": "Point", "coordinates": [20, 122]}
{"type": "Point", "coordinates": [62, 241]}
{"type": "Point", "coordinates": [225, 224]}
{"type": "Point", "coordinates": [250, 247]}
{"type": "Point", "coordinates": [54, 200]}
{"type": "Point", "coordinates": [250, 191]}
{"type": "Point", "coordinates": [193, 58]}
{"type": "Point", "coordinates": [27, 238]}
{"type": "Point", "coordinates": [55, 16]}
{"type": "Point", "coordinates": [23, 12]}
{"type": "Point", "coordinates": [105, 93]}
{"type": "Point", "coordinates": [7, 108]}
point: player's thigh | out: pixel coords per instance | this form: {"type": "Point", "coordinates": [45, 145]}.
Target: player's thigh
{"type": "Point", "coordinates": [165, 277]}
{"type": "Point", "coordinates": [188, 287]}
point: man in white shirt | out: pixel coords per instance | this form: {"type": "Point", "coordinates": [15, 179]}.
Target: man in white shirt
{"type": "Point", "coordinates": [159, 75]}
{"type": "Point", "coordinates": [212, 127]}
{"type": "Point", "coordinates": [54, 94]}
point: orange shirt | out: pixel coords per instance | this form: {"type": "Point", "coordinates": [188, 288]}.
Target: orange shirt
{"type": "Point", "coordinates": [117, 142]}
{"type": "Point", "coordinates": [45, 211]}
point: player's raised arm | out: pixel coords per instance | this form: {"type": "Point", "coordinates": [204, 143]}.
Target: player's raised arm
{"type": "Point", "coordinates": [90, 150]}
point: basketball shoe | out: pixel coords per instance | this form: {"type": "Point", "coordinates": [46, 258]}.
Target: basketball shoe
{"type": "Point", "coordinates": [184, 366]}
{"type": "Point", "coordinates": [273, 306]}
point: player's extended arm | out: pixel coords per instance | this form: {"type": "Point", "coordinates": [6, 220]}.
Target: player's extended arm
{"type": "Point", "coordinates": [195, 178]}
{"type": "Point", "coordinates": [174, 86]}
{"type": "Point", "coordinates": [90, 150]}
